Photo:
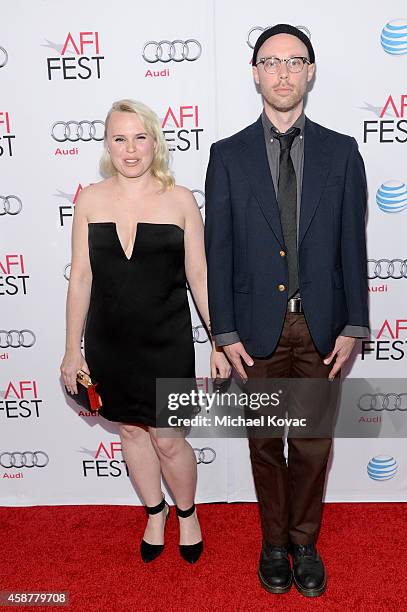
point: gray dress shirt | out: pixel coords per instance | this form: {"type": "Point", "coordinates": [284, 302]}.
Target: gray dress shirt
{"type": "Point", "coordinates": [297, 157]}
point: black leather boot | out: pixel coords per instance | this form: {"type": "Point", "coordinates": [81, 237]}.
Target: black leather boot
{"type": "Point", "coordinates": [308, 570]}
{"type": "Point", "coordinates": [274, 569]}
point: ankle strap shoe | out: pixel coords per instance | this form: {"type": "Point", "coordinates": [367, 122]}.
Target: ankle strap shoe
{"type": "Point", "coordinates": [149, 552]}
{"type": "Point", "coordinates": [189, 552]}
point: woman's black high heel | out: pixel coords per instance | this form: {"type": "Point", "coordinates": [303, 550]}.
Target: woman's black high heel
{"type": "Point", "coordinates": [149, 552]}
{"type": "Point", "coordinates": [189, 552]}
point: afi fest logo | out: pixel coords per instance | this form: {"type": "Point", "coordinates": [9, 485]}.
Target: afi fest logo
{"type": "Point", "coordinates": [20, 400]}
{"type": "Point", "coordinates": [181, 128]}
{"type": "Point", "coordinates": [391, 124]}
{"type": "Point", "coordinates": [66, 210]}
{"type": "Point", "coordinates": [6, 135]}
{"type": "Point", "coordinates": [13, 279]}
{"type": "Point", "coordinates": [78, 57]}
{"type": "Point", "coordinates": [389, 344]}
{"type": "Point", "coordinates": [107, 461]}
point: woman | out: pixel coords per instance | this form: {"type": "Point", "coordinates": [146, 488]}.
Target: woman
{"type": "Point", "coordinates": [136, 239]}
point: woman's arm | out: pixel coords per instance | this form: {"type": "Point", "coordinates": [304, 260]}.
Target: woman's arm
{"type": "Point", "coordinates": [196, 272]}
{"type": "Point", "coordinates": [195, 261]}
{"type": "Point", "coordinates": [77, 303]}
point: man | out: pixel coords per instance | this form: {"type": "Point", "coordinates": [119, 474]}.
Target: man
{"type": "Point", "coordinates": [285, 242]}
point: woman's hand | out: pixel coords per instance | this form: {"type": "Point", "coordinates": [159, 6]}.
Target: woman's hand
{"type": "Point", "coordinates": [220, 366]}
{"type": "Point", "coordinates": [72, 362]}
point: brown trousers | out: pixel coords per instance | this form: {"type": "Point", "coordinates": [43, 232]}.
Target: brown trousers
{"type": "Point", "coordinates": [290, 492]}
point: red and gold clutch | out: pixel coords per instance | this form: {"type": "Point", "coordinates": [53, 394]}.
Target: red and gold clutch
{"type": "Point", "coordinates": [87, 395]}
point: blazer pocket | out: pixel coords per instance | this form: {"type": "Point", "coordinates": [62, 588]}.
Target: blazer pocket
{"type": "Point", "coordinates": [240, 290]}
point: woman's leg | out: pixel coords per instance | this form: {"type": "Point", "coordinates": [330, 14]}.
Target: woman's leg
{"type": "Point", "coordinates": [144, 468]}
{"type": "Point", "coordinates": [178, 466]}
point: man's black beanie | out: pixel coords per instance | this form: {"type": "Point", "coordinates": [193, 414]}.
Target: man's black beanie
{"type": "Point", "coordinates": [283, 28]}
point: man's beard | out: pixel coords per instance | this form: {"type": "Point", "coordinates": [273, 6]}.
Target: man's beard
{"type": "Point", "coordinates": [285, 105]}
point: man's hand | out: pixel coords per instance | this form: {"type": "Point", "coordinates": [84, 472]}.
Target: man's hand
{"type": "Point", "coordinates": [344, 345]}
{"type": "Point", "coordinates": [235, 353]}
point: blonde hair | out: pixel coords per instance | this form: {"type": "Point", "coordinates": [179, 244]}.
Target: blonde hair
{"type": "Point", "coordinates": [160, 166]}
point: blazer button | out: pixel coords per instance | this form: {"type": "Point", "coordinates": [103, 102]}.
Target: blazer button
{"type": "Point", "coordinates": [281, 287]}
{"type": "Point", "coordinates": [282, 253]}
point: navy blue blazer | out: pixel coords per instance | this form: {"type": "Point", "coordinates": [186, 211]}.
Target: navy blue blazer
{"type": "Point", "coordinates": [244, 239]}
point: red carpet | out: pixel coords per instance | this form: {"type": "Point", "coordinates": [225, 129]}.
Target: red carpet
{"type": "Point", "coordinates": [92, 552]}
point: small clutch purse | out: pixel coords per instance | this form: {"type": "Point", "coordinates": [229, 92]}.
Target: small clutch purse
{"type": "Point", "coordinates": [87, 395]}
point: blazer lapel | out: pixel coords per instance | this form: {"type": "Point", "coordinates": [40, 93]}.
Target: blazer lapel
{"type": "Point", "coordinates": [316, 168]}
{"type": "Point", "coordinates": [255, 164]}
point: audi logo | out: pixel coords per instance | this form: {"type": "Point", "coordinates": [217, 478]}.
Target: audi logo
{"type": "Point", "coordinates": [383, 401]}
{"type": "Point", "coordinates": [251, 40]}
{"type": "Point", "coordinates": [28, 459]}
{"type": "Point", "coordinates": [199, 334]}
{"type": "Point", "coordinates": [204, 455]}
{"type": "Point", "coordinates": [67, 271]}
{"type": "Point", "coordinates": [200, 200]}
{"type": "Point", "coordinates": [15, 338]}
{"type": "Point", "coordinates": [3, 57]}
{"type": "Point", "coordinates": [175, 51]}
{"type": "Point", "coordinates": [10, 205]}
{"type": "Point", "coordinates": [386, 268]}
{"type": "Point", "coordinates": [73, 131]}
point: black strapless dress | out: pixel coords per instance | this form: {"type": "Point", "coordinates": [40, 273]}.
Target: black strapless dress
{"type": "Point", "coordinates": [139, 323]}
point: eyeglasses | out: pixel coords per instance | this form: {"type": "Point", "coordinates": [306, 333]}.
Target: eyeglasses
{"type": "Point", "coordinates": [272, 64]}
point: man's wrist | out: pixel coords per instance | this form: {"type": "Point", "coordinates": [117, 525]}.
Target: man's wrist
{"type": "Point", "coordinates": [226, 338]}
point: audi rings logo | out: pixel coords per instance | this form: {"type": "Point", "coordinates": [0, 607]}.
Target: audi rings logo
{"type": "Point", "coordinates": [204, 455]}
{"type": "Point", "coordinates": [255, 32]}
{"type": "Point", "coordinates": [172, 51]}
{"type": "Point", "coordinates": [386, 268]}
{"type": "Point", "coordinates": [199, 197]}
{"type": "Point", "coordinates": [10, 205]}
{"type": "Point", "coordinates": [15, 338]}
{"type": "Point", "coordinates": [73, 131]}
{"type": "Point", "coordinates": [67, 271]}
{"type": "Point", "coordinates": [3, 57]}
{"type": "Point", "coordinates": [199, 334]}
{"type": "Point", "coordinates": [379, 402]}
{"type": "Point", "coordinates": [24, 459]}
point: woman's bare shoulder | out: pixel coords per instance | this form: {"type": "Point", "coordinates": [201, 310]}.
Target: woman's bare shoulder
{"type": "Point", "coordinates": [92, 194]}
{"type": "Point", "coordinates": [187, 202]}
{"type": "Point", "coordinates": [182, 197]}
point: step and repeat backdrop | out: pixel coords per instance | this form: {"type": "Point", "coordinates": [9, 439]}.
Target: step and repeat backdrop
{"type": "Point", "coordinates": [61, 67]}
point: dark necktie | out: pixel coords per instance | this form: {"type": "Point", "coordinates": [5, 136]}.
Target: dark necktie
{"type": "Point", "coordinates": [287, 204]}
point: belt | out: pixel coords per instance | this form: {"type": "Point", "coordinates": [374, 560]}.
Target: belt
{"type": "Point", "coordinates": [294, 305]}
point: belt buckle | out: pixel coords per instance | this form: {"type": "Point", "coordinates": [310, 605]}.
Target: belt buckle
{"type": "Point", "coordinates": [294, 305]}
